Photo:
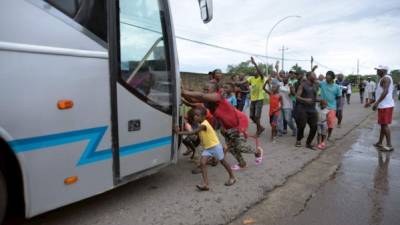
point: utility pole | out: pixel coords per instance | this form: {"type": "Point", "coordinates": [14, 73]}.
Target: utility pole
{"type": "Point", "coordinates": [358, 70]}
{"type": "Point", "coordinates": [283, 49]}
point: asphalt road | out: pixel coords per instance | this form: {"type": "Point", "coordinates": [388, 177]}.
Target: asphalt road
{"type": "Point", "coordinates": [352, 183]}
{"type": "Point", "coordinates": [366, 188]}
{"type": "Point", "coordinates": [170, 196]}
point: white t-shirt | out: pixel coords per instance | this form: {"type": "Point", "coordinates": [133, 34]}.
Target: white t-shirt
{"type": "Point", "coordinates": [284, 91]}
{"type": "Point", "coordinates": [349, 88]}
{"type": "Point", "coordinates": [370, 87]}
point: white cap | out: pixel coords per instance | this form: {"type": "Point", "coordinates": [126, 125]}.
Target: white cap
{"type": "Point", "coordinates": [380, 67]}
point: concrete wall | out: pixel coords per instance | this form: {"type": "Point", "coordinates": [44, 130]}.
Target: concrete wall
{"type": "Point", "coordinates": [196, 81]}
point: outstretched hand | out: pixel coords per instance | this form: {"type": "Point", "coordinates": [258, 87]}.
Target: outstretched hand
{"type": "Point", "coordinates": [252, 60]}
{"type": "Point", "coordinates": [277, 66]}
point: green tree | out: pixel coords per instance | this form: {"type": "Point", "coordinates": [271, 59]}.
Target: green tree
{"type": "Point", "coordinates": [246, 68]}
{"type": "Point", "coordinates": [395, 76]}
{"type": "Point", "coordinates": [353, 78]}
{"type": "Point", "coordinates": [298, 69]}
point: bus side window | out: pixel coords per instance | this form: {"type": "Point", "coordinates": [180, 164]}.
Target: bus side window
{"type": "Point", "coordinates": [145, 69]}
{"type": "Point", "coordinates": [91, 14]}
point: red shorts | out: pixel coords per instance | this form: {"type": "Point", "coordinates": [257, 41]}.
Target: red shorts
{"type": "Point", "coordinates": [331, 118]}
{"type": "Point", "coordinates": [385, 116]}
{"type": "Point", "coordinates": [274, 118]}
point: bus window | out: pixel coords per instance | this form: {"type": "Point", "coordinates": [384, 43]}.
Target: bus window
{"type": "Point", "coordinates": [91, 14]}
{"type": "Point", "coordinates": [144, 58]}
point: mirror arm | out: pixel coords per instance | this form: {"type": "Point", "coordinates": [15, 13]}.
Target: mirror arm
{"type": "Point", "coordinates": [144, 59]}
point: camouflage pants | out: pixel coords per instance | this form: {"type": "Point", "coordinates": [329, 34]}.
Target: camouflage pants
{"type": "Point", "coordinates": [237, 144]}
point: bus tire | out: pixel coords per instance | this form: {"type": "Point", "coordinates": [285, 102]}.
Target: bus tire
{"type": "Point", "coordinates": [3, 197]}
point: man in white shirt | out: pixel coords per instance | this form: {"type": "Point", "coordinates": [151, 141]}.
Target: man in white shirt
{"type": "Point", "coordinates": [370, 92]}
{"type": "Point", "coordinates": [285, 90]}
{"type": "Point", "coordinates": [385, 106]}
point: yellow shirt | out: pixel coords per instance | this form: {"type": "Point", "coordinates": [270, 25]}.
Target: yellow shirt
{"type": "Point", "coordinates": [208, 137]}
{"type": "Point", "coordinates": [256, 88]}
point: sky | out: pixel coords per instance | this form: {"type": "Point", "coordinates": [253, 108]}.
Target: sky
{"type": "Point", "coordinates": [336, 33]}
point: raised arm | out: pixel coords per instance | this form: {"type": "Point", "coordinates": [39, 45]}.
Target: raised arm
{"type": "Point", "coordinates": [256, 66]}
{"type": "Point", "coordinates": [314, 68]}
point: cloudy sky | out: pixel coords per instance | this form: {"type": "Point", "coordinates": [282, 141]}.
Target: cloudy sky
{"type": "Point", "coordinates": [336, 33]}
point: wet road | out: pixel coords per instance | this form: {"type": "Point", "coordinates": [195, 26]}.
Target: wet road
{"type": "Point", "coordinates": [366, 188]}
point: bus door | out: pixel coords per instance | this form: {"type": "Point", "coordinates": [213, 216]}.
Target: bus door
{"type": "Point", "coordinates": [145, 93]}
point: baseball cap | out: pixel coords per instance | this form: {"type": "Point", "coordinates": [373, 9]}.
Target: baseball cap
{"type": "Point", "coordinates": [380, 67]}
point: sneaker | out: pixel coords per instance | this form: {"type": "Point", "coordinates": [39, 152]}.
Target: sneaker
{"type": "Point", "coordinates": [310, 146]}
{"type": "Point", "coordinates": [298, 144]}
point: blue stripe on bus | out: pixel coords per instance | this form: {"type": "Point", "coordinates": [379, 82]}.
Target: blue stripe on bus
{"type": "Point", "coordinates": [89, 155]}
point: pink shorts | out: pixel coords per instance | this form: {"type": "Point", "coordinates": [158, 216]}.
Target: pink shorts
{"type": "Point", "coordinates": [331, 118]}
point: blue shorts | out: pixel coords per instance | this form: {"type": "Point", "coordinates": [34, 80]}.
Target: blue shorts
{"type": "Point", "coordinates": [216, 152]}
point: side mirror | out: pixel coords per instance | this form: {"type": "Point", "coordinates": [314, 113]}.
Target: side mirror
{"type": "Point", "coordinates": [206, 10]}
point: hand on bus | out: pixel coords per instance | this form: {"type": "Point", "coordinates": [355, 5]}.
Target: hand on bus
{"type": "Point", "coordinates": [176, 129]}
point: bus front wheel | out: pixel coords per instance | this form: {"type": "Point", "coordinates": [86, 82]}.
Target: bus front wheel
{"type": "Point", "coordinates": [3, 197]}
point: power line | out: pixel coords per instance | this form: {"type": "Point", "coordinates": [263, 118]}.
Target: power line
{"type": "Point", "coordinates": [232, 49]}
{"type": "Point", "coordinates": [214, 45]}
{"type": "Point", "coordinates": [236, 50]}
{"type": "Point", "coordinates": [326, 67]}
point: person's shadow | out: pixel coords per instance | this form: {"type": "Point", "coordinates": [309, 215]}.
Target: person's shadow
{"type": "Point", "coordinates": [380, 189]}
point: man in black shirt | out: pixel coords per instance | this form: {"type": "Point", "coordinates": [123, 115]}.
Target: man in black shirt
{"type": "Point", "coordinates": [306, 97]}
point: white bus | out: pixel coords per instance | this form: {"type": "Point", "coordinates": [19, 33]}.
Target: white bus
{"type": "Point", "coordinates": [89, 93]}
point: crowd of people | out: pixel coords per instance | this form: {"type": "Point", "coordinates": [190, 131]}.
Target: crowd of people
{"type": "Point", "coordinates": [296, 99]}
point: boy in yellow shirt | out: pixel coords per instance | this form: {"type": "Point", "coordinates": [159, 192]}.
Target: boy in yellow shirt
{"type": "Point", "coordinates": [212, 147]}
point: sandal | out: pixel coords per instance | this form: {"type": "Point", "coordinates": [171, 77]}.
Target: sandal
{"type": "Point", "coordinates": [387, 149]}
{"type": "Point", "coordinates": [378, 145]}
{"type": "Point", "coordinates": [230, 182]}
{"type": "Point", "coordinates": [202, 187]}
{"type": "Point", "coordinates": [260, 158]}
{"type": "Point", "coordinates": [236, 167]}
